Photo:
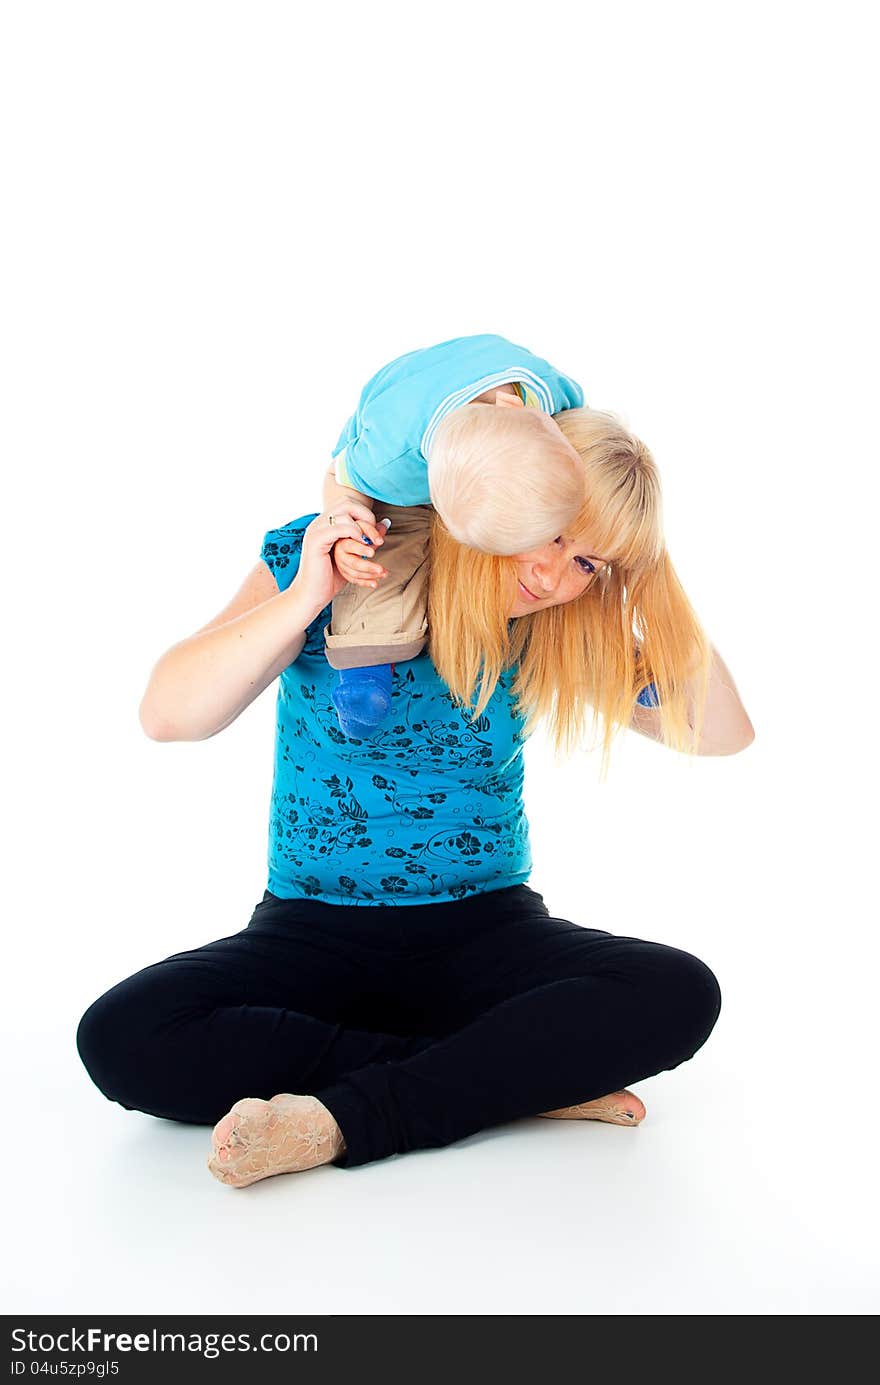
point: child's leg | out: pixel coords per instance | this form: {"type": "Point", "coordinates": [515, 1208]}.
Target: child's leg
{"type": "Point", "coordinates": [372, 629]}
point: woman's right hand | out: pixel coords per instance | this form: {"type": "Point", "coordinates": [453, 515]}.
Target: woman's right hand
{"type": "Point", "coordinates": [318, 577]}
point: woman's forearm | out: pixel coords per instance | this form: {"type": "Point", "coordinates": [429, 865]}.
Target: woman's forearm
{"type": "Point", "coordinates": [203, 683]}
{"type": "Point", "coordinates": [726, 727]}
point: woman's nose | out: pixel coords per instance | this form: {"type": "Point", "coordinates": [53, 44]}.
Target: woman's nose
{"type": "Point", "coordinates": [548, 569]}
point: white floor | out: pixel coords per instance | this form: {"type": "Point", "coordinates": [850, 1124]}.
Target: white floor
{"type": "Point", "coordinates": [750, 1188]}
{"type": "Point", "coordinates": [715, 1205]}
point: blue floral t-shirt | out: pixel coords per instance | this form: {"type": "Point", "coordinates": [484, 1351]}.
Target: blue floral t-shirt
{"type": "Point", "coordinates": [428, 809]}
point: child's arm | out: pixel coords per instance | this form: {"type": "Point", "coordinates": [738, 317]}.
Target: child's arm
{"type": "Point", "coordinates": [333, 493]}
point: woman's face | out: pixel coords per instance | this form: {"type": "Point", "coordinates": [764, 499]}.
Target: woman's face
{"type": "Point", "coordinates": [559, 571]}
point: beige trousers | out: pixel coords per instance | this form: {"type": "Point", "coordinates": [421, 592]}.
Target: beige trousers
{"type": "Point", "coordinates": [389, 623]}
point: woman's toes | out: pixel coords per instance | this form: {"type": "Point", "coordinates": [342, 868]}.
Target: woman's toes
{"type": "Point", "coordinates": [222, 1135]}
{"type": "Point", "coordinates": [230, 1135]}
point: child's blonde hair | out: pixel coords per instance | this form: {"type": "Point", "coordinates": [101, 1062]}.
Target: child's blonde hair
{"type": "Point", "coordinates": [592, 656]}
{"type": "Point", "coordinates": [503, 480]}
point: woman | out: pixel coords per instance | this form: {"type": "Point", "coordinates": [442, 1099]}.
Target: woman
{"type": "Point", "coordinates": [399, 986]}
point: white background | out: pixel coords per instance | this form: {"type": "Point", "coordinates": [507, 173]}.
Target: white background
{"type": "Point", "coordinates": [220, 220]}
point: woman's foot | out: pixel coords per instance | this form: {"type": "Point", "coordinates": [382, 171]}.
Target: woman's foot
{"type": "Point", "coordinates": [619, 1108]}
{"type": "Point", "coordinates": [285, 1135]}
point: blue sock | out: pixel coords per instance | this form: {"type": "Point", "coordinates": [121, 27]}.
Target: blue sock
{"type": "Point", "coordinates": [362, 698]}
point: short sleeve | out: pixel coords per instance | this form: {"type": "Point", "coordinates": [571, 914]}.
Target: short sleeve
{"type": "Point", "coordinates": [648, 696]}
{"type": "Point", "coordinates": [281, 550]}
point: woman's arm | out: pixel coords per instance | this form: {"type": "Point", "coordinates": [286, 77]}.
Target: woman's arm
{"type": "Point", "coordinates": [203, 683]}
{"type": "Point", "coordinates": [726, 726]}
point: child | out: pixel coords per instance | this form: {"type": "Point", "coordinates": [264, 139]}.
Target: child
{"type": "Point", "coordinates": [464, 428]}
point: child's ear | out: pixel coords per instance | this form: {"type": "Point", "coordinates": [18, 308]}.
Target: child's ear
{"type": "Point", "coordinates": [509, 401]}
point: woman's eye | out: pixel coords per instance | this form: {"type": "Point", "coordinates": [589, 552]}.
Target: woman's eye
{"type": "Point", "coordinates": [587, 567]}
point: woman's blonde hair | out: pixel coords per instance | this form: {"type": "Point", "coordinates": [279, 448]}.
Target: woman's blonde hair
{"type": "Point", "coordinates": [633, 624]}
{"type": "Point", "coordinates": [503, 480]}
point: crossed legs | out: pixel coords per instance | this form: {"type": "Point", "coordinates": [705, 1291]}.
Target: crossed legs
{"type": "Point", "coordinates": [329, 1034]}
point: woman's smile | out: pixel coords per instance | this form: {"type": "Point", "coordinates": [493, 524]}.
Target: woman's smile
{"type": "Point", "coordinates": [526, 594]}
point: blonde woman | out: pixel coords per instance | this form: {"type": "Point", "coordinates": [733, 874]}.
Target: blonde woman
{"type": "Point", "coordinates": [400, 986]}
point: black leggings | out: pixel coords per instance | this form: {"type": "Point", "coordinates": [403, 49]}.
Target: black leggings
{"type": "Point", "coordinates": [416, 1025]}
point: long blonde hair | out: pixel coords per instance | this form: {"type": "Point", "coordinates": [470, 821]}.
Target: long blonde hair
{"type": "Point", "coordinates": [591, 657]}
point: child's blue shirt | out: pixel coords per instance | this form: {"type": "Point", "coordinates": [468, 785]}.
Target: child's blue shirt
{"type": "Point", "coordinates": [384, 446]}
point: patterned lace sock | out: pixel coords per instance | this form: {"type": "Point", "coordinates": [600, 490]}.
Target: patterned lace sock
{"type": "Point", "coordinates": [258, 1139]}
{"type": "Point", "coordinates": [618, 1108]}
{"type": "Point", "coordinates": [362, 698]}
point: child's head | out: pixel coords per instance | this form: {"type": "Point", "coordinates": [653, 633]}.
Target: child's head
{"type": "Point", "coordinates": [503, 480]}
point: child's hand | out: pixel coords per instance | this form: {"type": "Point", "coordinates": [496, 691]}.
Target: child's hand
{"type": "Point", "coordinates": [354, 560]}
